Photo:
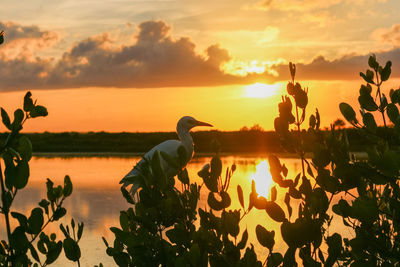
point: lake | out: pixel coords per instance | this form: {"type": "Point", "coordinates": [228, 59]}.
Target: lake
{"type": "Point", "coordinates": [97, 200]}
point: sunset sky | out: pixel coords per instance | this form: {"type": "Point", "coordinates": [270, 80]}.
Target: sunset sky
{"type": "Point", "coordinates": [128, 65]}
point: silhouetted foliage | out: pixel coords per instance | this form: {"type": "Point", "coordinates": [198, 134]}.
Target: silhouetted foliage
{"type": "Point", "coordinates": [364, 194]}
{"type": "Point", "coordinates": [368, 189]}
{"type": "Point", "coordinates": [160, 228]}
{"type": "Point", "coordinates": [28, 234]}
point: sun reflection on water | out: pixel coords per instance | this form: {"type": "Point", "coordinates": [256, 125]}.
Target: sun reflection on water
{"type": "Point", "coordinates": [263, 179]}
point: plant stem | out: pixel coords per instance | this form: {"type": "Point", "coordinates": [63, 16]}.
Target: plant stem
{"type": "Point", "coordinates": [48, 221]}
{"type": "Point", "coordinates": [378, 84]}
{"type": "Point", "coordinates": [299, 131]}
{"type": "Point", "coordinates": [6, 211]}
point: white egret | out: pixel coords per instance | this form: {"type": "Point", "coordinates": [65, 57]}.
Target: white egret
{"type": "Point", "coordinates": [169, 147]}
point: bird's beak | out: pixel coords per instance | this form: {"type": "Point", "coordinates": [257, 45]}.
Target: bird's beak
{"type": "Point", "coordinates": [200, 123]}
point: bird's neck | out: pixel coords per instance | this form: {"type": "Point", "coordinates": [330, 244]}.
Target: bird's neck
{"type": "Point", "coordinates": [187, 141]}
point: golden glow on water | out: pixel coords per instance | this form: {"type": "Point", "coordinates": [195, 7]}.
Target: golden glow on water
{"type": "Point", "coordinates": [261, 90]}
{"type": "Point", "coordinates": [97, 200]}
{"type": "Point", "coordinates": [262, 178]}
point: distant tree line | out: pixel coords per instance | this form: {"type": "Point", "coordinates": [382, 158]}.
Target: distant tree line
{"type": "Point", "coordinates": [230, 142]}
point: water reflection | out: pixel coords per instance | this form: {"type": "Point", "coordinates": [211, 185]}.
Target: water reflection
{"type": "Point", "coordinates": [97, 200]}
{"type": "Point", "coordinates": [262, 179]}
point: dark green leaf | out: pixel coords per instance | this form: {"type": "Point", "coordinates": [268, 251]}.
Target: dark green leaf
{"type": "Point", "coordinates": [301, 99]}
{"type": "Point", "coordinates": [71, 249]}
{"type": "Point", "coordinates": [59, 213]}
{"type": "Point", "coordinates": [22, 174]}
{"type": "Point", "coordinates": [7, 200]}
{"type": "Point", "coordinates": [35, 221]}
{"type": "Point", "coordinates": [321, 156]}
{"type": "Point", "coordinates": [211, 183]}
{"type": "Point", "coordinates": [28, 103]}
{"type": "Point", "coordinates": [395, 96]}
{"type": "Point", "coordinates": [348, 112]}
{"type": "Point", "coordinates": [54, 252]}
{"type": "Point", "coordinates": [34, 253]}
{"type": "Point", "coordinates": [18, 239]}
{"type": "Point", "coordinates": [23, 221]}
{"type": "Point", "coordinates": [369, 122]}
{"type": "Point", "coordinates": [67, 191]}
{"type": "Point", "coordinates": [183, 176]}
{"type": "Point", "coordinates": [364, 209]}
{"type": "Point", "coordinates": [38, 111]}
{"type": "Point", "coordinates": [392, 112]}
{"type": "Point", "coordinates": [275, 212]}
{"type": "Point", "coordinates": [342, 208]}
{"type": "Point", "coordinates": [243, 241]}
{"type": "Point", "coordinates": [367, 102]}
{"type": "Point", "coordinates": [318, 201]}
{"type": "Point", "coordinates": [289, 258]}
{"type": "Point", "coordinates": [6, 119]}
{"type": "Point", "coordinates": [25, 148]}
{"type": "Point", "coordinates": [230, 222]}
{"type": "Point", "coordinates": [124, 221]}
{"type": "Point", "coordinates": [372, 62]}
{"type": "Point", "coordinates": [265, 237]}
{"type": "Point", "coordinates": [365, 89]}
{"type": "Point", "coordinates": [366, 77]}
{"type": "Point", "coordinates": [240, 195]}
{"type": "Point", "coordinates": [105, 241]}
{"type": "Point", "coordinates": [127, 195]}
{"type": "Point", "coordinates": [216, 167]}
{"type": "Point", "coordinates": [305, 187]}
{"type": "Point", "coordinates": [45, 205]}
{"type": "Point", "coordinates": [80, 230]}
{"type": "Point", "coordinates": [335, 246]}
{"type": "Point", "coordinates": [386, 71]}
{"type": "Point", "coordinates": [326, 181]}
{"type": "Point", "coordinates": [219, 205]}
{"type": "Point", "coordinates": [18, 118]}
{"type": "Point", "coordinates": [274, 259]}
{"type": "Point", "coordinates": [294, 193]}
{"type": "Point", "coordinates": [62, 228]}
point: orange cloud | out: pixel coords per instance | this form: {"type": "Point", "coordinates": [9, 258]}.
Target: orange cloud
{"type": "Point", "coordinates": [388, 35]}
{"type": "Point", "coordinates": [156, 59]}
{"type": "Point", "coordinates": [296, 5]}
{"type": "Point", "coordinates": [27, 35]}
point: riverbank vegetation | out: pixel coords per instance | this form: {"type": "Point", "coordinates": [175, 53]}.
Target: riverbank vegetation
{"type": "Point", "coordinates": [230, 142]}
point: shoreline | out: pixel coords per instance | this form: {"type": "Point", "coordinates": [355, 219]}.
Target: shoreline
{"type": "Point", "coordinates": [361, 155]}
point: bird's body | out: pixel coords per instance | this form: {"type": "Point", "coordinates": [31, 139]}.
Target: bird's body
{"type": "Point", "coordinates": [169, 147]}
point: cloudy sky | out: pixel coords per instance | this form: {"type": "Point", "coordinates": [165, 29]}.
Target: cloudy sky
{"type": "Point", "coordinates": [127, 65]}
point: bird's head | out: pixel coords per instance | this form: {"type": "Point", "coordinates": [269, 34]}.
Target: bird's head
{"type": "Point", "coordinates": [188, 123]}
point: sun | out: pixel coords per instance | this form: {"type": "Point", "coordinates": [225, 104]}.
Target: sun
{"type": "Point", "coordinates": [262, 179]}
{"type": "Point", "coordinates": [261, 90]}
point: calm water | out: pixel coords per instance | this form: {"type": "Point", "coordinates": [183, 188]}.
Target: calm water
{"type": "Point", "coordinates": [96, 199]}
